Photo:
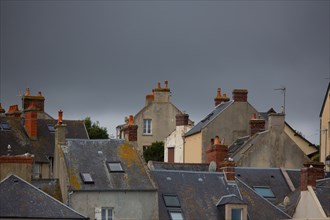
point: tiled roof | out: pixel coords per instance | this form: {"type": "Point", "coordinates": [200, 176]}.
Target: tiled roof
{"type": "Point", "coordinates": [218, 109]}
{"type": "Point", "coordinates": [43, 147]}
{"type": "Point", "coordinates": [92, 156]}
{"type": "Point", "coordinates": [19, 199]}
{"type": "Point", "coordinates": [198, 192]}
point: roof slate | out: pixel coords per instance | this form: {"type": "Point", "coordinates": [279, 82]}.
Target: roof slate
{"type": "Point", "coordinates": [43, 147]}
{"type": "Point", "coordinates": [218, 109]}
{"type": "Point", "coordinates": [156, 165]}
{"type": "Point", "coordinates": [91, 156]}
{"type": "Point", "coordinates": [322, 191]}
{"type": "Point", "coordinates": [21, 199]}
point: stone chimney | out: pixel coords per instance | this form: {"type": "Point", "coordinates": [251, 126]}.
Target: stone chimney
{"type": "Point", "coordinates": [256, 124]}
{"type": "Point", "coordinates": [311, 172]}
{"type": "Point", "coordinates": [13, 112]}
{"type": "Point", "coordinates": [38, 100]}
{"type": "Point", "coordinates": [60, 139]}
{"type": "Point", "coordinates": [240, 95]}
{"type": "Point", "coordinates": [130, 130]}
{"type": "Point", "coordinates": [162, 95]}
{"type": "Point", "coordinates": [182, 119]}
{"type": "Point", "coordinates": [1, 109]}
{"type": "Point", "coordinates": [219, 98]}
{"type": "Point", "coordinates": [276, 122]}
{"type": "Point", "coordinates": [31, 121]}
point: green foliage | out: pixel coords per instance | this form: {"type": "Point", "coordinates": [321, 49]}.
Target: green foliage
{"type": "Point", "coordinates": [316, 157]}
{"type": "Point", "coordinates": [95, 131]}
{"type": "Point", "coordinates": [155, 152]}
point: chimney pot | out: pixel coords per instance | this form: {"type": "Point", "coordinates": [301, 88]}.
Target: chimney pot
{"type": "Point", "coordinates": [131, 120]}
{"type": "Point", "coordinates": [27, 92]}
{"type": "Point", "coordinates": [216, 140]}
{"type": "Point", "coordinates": [159, 85]}
{"type": "Point", "coordinates": [166, 84]}
{"type": "Point", "coordinates": [39, 93]}
{"type": "Point", "coordinates": [60, 117]}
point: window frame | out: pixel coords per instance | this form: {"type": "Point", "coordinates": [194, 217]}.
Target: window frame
{"type": "Point", "coordinates": [121, 170]}
{"type": "Point", "coordinates": [87, 178]}
{"type": "Point", "coordinates": [241, 213]}
{"type": "Point", "coordinates": [175, 211]}
{"type": "Point", "coordinates": [107, 209]}
{"type": "Point", "coordinates": [147, 126]}
{"type": "Point", "coordinates": [171, 205]}
{"type": "Point", "coordinates": [258, 188]}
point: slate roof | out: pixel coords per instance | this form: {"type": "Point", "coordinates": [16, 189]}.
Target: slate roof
{"type": "Point", "coordinates": [19, 199]}
{"type": "Point", "coordinates": [270, 177]}
{"type": "Point", "coordinates": [49, 186]}
{"type": "Point", "coordinates": [258, 207]}
{"type": "Point", "coordinates": [322, 191]}
{"type": "Point", "coordinates": [43, 147]}
{"type": "Point", "coordinates": [218, 109]}
{"type": "Point", "coordinates": [198, 192]}
{"type": "Point", "coordinates": [91, 156]}
{"type": "Point", "coordinates": [156, 165]}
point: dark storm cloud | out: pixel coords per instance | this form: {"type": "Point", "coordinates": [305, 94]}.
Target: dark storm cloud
{"type": "Point", "coordinates": [100, 58]}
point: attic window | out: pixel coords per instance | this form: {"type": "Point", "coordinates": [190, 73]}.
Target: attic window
{"type": "Point", "coordinates": [4, 126]}
{"type": "Point", "coordinates": [264, 191]}
{"type": "Point", "coordinates": [115, 167]}
{"type": "Point", "coordinates": [176, 214]}
{"type": "Point", "coordinates": [51, 128]}
{"type": "Point", "coordinates": [87, 178]}
{"type": "Point", "coordinates": [171, 201]}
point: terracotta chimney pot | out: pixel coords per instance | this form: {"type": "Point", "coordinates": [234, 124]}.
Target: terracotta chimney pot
{"type": "Point", "coordinates": [60, 117]}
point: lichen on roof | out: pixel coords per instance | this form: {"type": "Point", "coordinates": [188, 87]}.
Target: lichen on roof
{"type": "Point", "coordinates": [128, 154]}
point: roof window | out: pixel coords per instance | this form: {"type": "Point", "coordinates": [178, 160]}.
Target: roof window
{"type": "Point", "coordinates": [115, 167]}
{"type": "Point", "coordinates": [176, 214]}
{"type": "Point", "coordinates": [171, 200]}
{"type": "Point", "coordinates": [51, 128]}
{"type": "Point", "coordinates": [87, 178]}
{"type": "Point", "coordinates": [264, 191]}
{"type": "Point", "coordinates": [4, 126]}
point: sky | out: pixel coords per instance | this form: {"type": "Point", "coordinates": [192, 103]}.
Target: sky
{"type": "Point", "coordinates": [101, 58]}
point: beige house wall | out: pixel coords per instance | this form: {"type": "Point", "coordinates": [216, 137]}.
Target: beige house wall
{"type": "Point", "coordinates": [325, 131]}
{"type": "Point", "coordinates": [309, 207]}
{"type": "Point", "coordinates": [22, 170]}
{"type": "Point", "coordinates": [193, 149]}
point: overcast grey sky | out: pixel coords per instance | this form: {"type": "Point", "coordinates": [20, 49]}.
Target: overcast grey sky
{"type": "Point", "coordinates": [100, 58]}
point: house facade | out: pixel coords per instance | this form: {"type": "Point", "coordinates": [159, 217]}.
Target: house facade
{"type": "Point", "coordinates": [229, 119]}
{"type": "Point", "coordinates": [325, 129]}
{"type": "Point", "coordinates": [156, 120]}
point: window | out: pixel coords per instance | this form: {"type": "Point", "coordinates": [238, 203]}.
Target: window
{"type": "Point", "coordinates": [115, 167]}
{"type": "Point", "coordinates": [171, 201]}
{"type": "Point", "coordinates": [236, 214]}
{"type": "Point", "coordinates": [4, 126]}
{"type": "Point", "coordinates": [147, 126]}
{"type": "Point", "coordinates": [106, 214]}
{"type": "Point", "coordinates": [176, 214]}
{"type": "Point", "coordinates": [87, 178]}
{"type": "Point", "coordinates": [264, 191]}
{"type": "Point", "coordinates": [37, 171]}
{"type": "Point", "coordinates": [51, 128]}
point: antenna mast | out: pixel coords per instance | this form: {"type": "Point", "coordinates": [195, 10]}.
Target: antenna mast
{"type": "Point", "coordinates": [283, 89]}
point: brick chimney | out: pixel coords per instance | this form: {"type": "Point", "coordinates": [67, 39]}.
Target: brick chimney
{"type": "Point", "coordinates": [311, 172]}
{"type": "Point", "coordinates": [256, 124]}
{"type": "Point", "coordinates": [1, 109]}
{"type": "Point", "coordinates": [217, 152]}
{"type": "Point", "coordinates": [130, 130]}
{"type": "Point", "coordinates": [182, 119]}
{"type": "Point", "coordinates": [150, 98]}
{"type": "Point", "coordinates": [219, 98]}
{"type": "Point", "coordinates": [31, 121]}
{"type": "Point", "coordinates": [38, 100]}
{"type": "Point", "coordinates": [162, 95]}
{"type": "Point", "coordinates": [240, 95]}
{"type": "Point", "coordinates": [13, 112]}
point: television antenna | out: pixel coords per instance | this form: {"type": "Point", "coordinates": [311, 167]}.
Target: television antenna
{"type": "Point", "coordinates": [283, 89]}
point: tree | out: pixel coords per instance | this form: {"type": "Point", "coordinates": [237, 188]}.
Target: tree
{"type": "Point", "coordinates": [94, 130]}
{"type": "Point", "coordinates": [155, 152]}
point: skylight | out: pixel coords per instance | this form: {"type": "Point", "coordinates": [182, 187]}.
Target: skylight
{"type": "Point", "coordinates": [264, 191]}
{"type": "Point", "coordinates": [87, 178]}
{"type": "Point", "coordinates": [176, 214]}
{"type": "Point", "coordinates": [51, 128]}
{"type": "Point", "coordinates": [171, 201]}
{"type": "Point", "coordinates": [115, 167]}
{"type": "Point", "coordinates": [4, 126]}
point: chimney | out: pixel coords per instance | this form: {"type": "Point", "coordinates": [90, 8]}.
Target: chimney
{"type": "Point", "coordinates": [217, 152]}
{"type": "Point", "coordinates": [2, 110]}
{"type": "Point", "coordinates": [150, 98]}
{"type": "Point", "coordinates": [162, 95]}
{"type": "Point", "coordinates": [256, 125]}
{"type": "Point", "coordinates": [182, 119]}
{"type": "Point", "coordinates": [20, 165]}
{"type": "Point", "coordinates": [60, 139]}
{"type": "Point", "coordinates": [31, 121]}
{"type": "Point", "coordinates": [240, 95]}
{"type": "Point", "coordinates": [276, 122]}
{"type": "Point", "coordinates": [219, 98]}
{"type": "Point", "coordinates": [311, 172]}
{"type": "Point", "coordinates": [38, 100]}
{"type": "Point", "coordinates": [130, 130]}
{"type": "Point", "coordinates": [13, 112]}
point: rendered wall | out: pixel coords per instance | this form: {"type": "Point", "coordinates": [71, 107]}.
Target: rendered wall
{"type": "Point", "coordinates": [193, 149]}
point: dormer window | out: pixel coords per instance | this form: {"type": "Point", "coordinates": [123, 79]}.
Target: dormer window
{"type": "Point", "coordinates": [232, 208]}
